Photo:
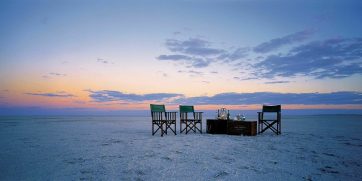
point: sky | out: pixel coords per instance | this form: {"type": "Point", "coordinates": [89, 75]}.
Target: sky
{"type": "Point", "coordinates": [124, 55]}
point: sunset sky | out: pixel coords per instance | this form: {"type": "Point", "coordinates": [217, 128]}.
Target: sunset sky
{"type": "Point", "coordinates": [124, 55]}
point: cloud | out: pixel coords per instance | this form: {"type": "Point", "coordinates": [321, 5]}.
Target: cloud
{"type": "Point", "coordinates": [54, 74]}
{"type": "Point", "coordinates": [192, 72]}
{"type": "Point", "coordinates": [174, 57]}
{"type": "Point", "coordinates": [58, 94]}
{"type": "Point", "coordinates": [199, 53]}
{"type": "Point", "coordinates": [101, 60]}
{"type": "Point", "coordinates": [192, 61]}
{"type": "Point", "coordinates": [194, 52]}
{"type": "Point", "coordinates": [164, 74]}
{"type": "Point", "coordinates": [277, 82]}
{"type": "Point", "coordinates": [333, 58]}
{"type": "Point", "coordinates": [275, 98]}
{"type": "Point", "coordinates": [246, 78]}
{"type": "Point", "coordinates": [57, 74]}
{"type": "Point", "coordinates": [110, 95]}
{"type": "Point", "coordinates": [279, 42]}
{"type": "Point", "coordinates": [193, 46]}
{"type": "Point", "coordinates": [234, 55]}
{"type": "Point", "coordinates": [200, 63]}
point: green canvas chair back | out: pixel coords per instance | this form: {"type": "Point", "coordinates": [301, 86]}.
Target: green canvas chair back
{"type": "Point", "coordinates": [186, 109]}
{"type": "Point", "coordinates": [157, 108]}
{"type": "Point", "coordinates": [275, 108]}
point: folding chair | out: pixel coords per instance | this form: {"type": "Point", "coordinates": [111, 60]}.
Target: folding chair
{"type": "Point", "coordinates": [162, 120]}
{"type": "Point", "coordinates": [272, 124]}
{"type": "Point", "coordinates": [192, 121]}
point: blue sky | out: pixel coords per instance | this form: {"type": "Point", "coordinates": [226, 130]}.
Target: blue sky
{"type": "Point", "coordinates": [123, 55]}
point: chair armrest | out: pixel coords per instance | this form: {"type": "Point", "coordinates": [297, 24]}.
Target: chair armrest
{"type": "Point", "coordinates": [198, 115]}
{"type": "Point", "coordinates": [170, 115]}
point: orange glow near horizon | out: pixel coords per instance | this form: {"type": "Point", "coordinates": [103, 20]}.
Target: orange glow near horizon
{"type": "Point", "coordinates": [81, 99]}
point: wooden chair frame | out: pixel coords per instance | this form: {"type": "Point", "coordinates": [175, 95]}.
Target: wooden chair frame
{"type": "Point", "coordinates": [191, 123]}
{"type": "Point", "coordinates": [162, 119]}
{"type": "Point", "coordinates": [269, 123]}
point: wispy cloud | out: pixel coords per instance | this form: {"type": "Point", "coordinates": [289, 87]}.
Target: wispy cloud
{"type": "Point", "coordinates": [103, 61]}
{"type": "Point", "coordinates": [275, 98]}
{"type": "Point", "coordinates": [111, 95]}
{"type": "Point", "coordinates": [200, 53]}
{"type": "Point", "coordinates": [57, 74]}
{"type": "Point", "coordinates": [234, 54]}
{"type": "Point", "coordinates": [191, 72]}
{"type": "Point", "coordinates": [174, 57]}
{"type": "Point", "coordinates": [276, 43]}
{"type": "Point", "coordinates": [245, 78]}
{"type": "Point", "coordinates": [191, 61]}
{"type": "Point", "coordinates": [277, 82]}
{"type": "Point", "coordinates": [333, 58]}
{"type": "Point", "coordinates": [53, 74]}
{"type": "Point", "coordinates": [164, 74]}
{"type": "Point", "coordinates": [57, 94]}
{"type": "Point", "coordinates": [193, 46]}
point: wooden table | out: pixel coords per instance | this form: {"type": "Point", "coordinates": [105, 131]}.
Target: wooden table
{"type": "Point", "coordinates": [218, 126]}
{"type": "Point", "coordinates": [235, 127]}
{"type": "Point", "coordinates": [250, 128]}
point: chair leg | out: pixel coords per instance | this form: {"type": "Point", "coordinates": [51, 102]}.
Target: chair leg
{"type": "Point", "coordinates": [175, 128]}
{"type": "Point", "coordinates": [194, 126]}
{"type": "Point", "coordinates": [280, 127]}
{"type": "Point", "coordinates": [168, 126]}
{"type": "Point", "coordinates": [161, 130]}
{"type": "Point", "coordinates": [201, 126]}
{"type": "Point", "coordinates": [186, 127]}
{"type": "Point", "coordinates": [153, 129]}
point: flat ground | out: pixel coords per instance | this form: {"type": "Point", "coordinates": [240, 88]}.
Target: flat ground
{"type": "Point", "coordinates": [92, 148]}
